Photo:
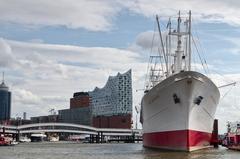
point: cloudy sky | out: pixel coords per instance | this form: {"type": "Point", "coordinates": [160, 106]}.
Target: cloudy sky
{"type": "Point", "coordinates": [49, 50]}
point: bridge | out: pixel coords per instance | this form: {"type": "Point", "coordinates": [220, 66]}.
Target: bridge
{"type": "Point", "coordinates": [94, 132]}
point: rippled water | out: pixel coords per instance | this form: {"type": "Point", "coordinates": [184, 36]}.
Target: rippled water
{"type": "Point", "coordinates": [66, 150]}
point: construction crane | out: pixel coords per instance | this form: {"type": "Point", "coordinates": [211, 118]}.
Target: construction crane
{"type": "Point", "coordinates": [52, 111]}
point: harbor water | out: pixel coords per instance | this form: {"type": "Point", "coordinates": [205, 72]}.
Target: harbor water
{"type": "Point", "coordinates": [69, 150]}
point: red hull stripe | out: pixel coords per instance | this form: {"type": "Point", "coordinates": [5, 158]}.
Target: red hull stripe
{"type": "Point", "coordinates": [177, 140]}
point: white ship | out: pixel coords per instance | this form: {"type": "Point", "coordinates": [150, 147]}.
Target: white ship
{"type": "Point", "coordinates": [24, 139]}
{"type": "Point", "coordinates": [179, 104]}
{"type": "Point", "coordinates": [38, 137]}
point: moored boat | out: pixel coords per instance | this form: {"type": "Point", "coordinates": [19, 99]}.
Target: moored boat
{"type": "Point", "coordinates": [5, 140]}
{"type": "Point", "coordinates": [232, 137]}
{"type": "Point", "coordinates": [53, 138]}
{"type": "Point", "coordinates": [179, 104]}
{"type": "Point", "coordinates": [24, 139]}
{"type": "Point", "coordinates": [38, 137]}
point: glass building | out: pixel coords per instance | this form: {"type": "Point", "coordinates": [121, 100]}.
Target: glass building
{"type": "Point", "coordinates": [5, 102]}
{"type": "Point", "coordinates": [115, 98]}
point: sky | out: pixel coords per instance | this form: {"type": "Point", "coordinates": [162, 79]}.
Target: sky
{"type": "Point", "coordinates": [50, 50]}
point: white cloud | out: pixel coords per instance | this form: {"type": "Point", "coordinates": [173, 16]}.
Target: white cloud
{"type": "Point", "coordinates": [7, 58]}
{"type": "Point", "coordinates": [145, 39]}
{"type": "Point", "coordinates": [26, 97]}
{"type": "Point", "coordinates": [97, 15]}
{"type": "Point", "coordinates": [47, 75]}
{"type": "Point", "coordinates": [235, 41]}
{"type": "Point", "coordinates": [36, 41]}
{"type": "Point", "coordinates": [203, 10]}
{"type": "Point", "coordinates": [92, 15]}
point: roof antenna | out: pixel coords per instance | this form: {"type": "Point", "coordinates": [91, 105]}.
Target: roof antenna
{"type": "Point", "coordinates": [3, 77]}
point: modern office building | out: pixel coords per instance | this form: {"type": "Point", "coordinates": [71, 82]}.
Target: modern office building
{"type": "Point", "coordinates": [81, 116]}
{"type": "Point", "coordinates": [5, 102]}
{"type": "Point", "coordinates": [112, 104]}
{"type": "Point", "coordinates": [45, 119]}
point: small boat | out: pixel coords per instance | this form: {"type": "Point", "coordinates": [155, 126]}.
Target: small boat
{"type": "Point", "coordinates": [38, 137]}
{"type": "Point", "coordinates": [5, 140]}
{"type": "Point", "coordinates": [232, 137]}
{"type": "Point", "coordinates": [13, 143]}
{"type": "Point", "coordinates": [24, 139]}
{"type": "Point", "coordinates": [53, 138]}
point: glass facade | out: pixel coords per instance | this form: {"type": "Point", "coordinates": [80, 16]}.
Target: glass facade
{"type": "Point", "coordinates": [5, 102]}
{"type": "Point", "coordinates": [115, 97]}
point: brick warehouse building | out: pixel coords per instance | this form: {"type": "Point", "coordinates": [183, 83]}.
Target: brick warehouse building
{"type": "Point", "coordinates": [107, 107]}
{"type": "Point", "coordinates": [80, 99]}
{"type": "Point", "coordinates": [115, 121]}
{"type": "Point", "coordinates": [80, 110]}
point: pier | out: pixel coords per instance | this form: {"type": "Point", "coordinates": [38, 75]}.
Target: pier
{"type": "Point", "coordinates": [97, 135]}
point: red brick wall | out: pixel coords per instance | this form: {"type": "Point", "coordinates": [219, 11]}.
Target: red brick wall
{"type": "Point", "coordinates": [78, 102]}
{"type": "Point", "coordinates": [117, 121]}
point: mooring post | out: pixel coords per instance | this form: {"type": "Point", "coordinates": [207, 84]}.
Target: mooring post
{"type": "Point", "coordinates": [91, 138]}
{"type": "Point", "coordinates": [97, 138]}
{"type": "Point", "coordinates": [215, 134]}
{"type": "Point", "coordinates": [101, 137]}
{"type": "Point", "coordinates": [3, 130]}
{"type": "Point", "coordinates": [18, 135]}
{"type": "Point", "coordinates": [132, 137]}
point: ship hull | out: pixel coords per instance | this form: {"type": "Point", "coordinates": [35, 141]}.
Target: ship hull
{"type": "Point", "coordinates": [178, 113]}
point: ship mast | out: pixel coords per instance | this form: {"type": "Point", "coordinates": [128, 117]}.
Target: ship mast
{"type": "Point", "coordinates": [169, 43]}
{"type": "Point", "coordinates": [162, 46]}
{"type": "Point", "coordinates": [180, 62]}
{"type": "Point", "coordinates": [189, 41]}
{"type": "Point", "coordinates": [179, 52]}
{"type": "Point", "coordinates": [171, 61]}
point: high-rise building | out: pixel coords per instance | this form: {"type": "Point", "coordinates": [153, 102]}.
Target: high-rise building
{"type": "Point", "coordinates": [24, 115]}
{"type": "Point", "coordinates": [5, 102]}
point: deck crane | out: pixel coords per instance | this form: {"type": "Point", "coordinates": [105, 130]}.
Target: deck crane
{"type": "Point", "coordinates": [229, 84]}
{"type": "Point", "coordinates": [226, 85]}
